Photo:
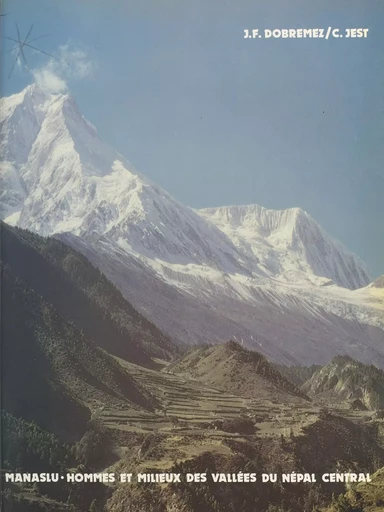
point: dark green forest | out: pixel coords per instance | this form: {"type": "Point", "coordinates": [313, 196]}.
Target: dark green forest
{"type": "Point", "coordinates": [81, 294]}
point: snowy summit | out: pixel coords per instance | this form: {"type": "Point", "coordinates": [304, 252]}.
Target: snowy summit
{"type": "Point", "coordinates": [201, 275]}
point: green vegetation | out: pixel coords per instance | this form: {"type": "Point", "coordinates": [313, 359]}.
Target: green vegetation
{"type": "Point", "coordinates": [51, 371]}
{"type": "Point", "coordinates": [95, 447]}
{"type": "Point", "coordinates": [248, 456]}
{"type": "Point", "coordinates": [82, 295]}
{"type": "Point", "coordinates": [334, 441]}
{"type": "Point", "coordinates": [27, 447]}
{"type": "Point", "coordinates": [239, 425]}
{"type": "Point", "coordinates": [363, 497]}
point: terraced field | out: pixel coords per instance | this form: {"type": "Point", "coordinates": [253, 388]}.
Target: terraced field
{"type": "Point", "coordinates": [187, 405]}
{"type": "Point", "coordinates": [188, 420]}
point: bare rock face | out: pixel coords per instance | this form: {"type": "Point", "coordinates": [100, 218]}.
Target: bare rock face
{"type": "Point", "coordinates": [350, 380]}
{"type": "Point", "coordinates": [379, 283]}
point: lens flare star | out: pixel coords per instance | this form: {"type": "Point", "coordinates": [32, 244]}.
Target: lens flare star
{"type": "Point", "coordinates": [22, 44]}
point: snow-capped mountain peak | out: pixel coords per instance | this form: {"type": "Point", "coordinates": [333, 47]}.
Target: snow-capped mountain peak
{"type": "Point", "coordinates": [60, 176]}
{"type": "Point", "coordinates": [290, 244]}
{"type": "Point", "coordinates": [75, 182]}
{"type": "Point", "coordinates": [202, 275]}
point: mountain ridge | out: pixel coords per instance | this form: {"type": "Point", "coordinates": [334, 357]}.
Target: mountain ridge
{"type": "Point", "coordinates": [237, 370]}
{"type": "Point", "coordinates": [281, 291]}
{"type": "Point", "coordinates": [74, 156]}
{"type": "Point", "coordinates": [69, 374]}
{"type": "Point", "coordinates": [86, 297]}
{"type": "Point", "coordinates": [348, 379]}
{"type": "Point", "coordinates": [292, 229]}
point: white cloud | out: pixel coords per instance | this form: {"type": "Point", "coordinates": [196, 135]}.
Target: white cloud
{"type": "Point", "coordinates": [70, 63]}
{"type": "Point", "coordinates": [49, 81]}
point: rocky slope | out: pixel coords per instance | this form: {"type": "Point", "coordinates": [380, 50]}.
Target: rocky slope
{"type": "Point", "coordinates": [350, 380]}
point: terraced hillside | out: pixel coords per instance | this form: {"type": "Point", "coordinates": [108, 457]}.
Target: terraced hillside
{"type": "Point", "coordinates": [191, 408]}
{"type": "Point", "coordinates": [232, 367]}
{"type": "Point", "coordinates": [197, 426]}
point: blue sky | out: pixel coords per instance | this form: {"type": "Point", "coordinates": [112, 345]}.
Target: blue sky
{"type": "Point", "coordinates": [217, 119]}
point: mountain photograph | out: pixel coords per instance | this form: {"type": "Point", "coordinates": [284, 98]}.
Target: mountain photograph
{"type": "Point", "coordinates": [206, 336]}
{"type": "Point", "coordinates": [272, 279]}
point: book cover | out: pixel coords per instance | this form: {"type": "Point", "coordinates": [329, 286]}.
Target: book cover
{"type": "Point", "coordinates": [192, 248]}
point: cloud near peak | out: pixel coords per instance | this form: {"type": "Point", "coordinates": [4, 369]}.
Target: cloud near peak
{"type": "Point", "coordinates": [71, 63]}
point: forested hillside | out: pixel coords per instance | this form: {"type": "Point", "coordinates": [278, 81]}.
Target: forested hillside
{"type": "Point", "coordinates": [82, 295]}
{"type": "Point", "coordinates": [51, 372]}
